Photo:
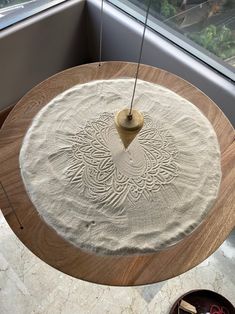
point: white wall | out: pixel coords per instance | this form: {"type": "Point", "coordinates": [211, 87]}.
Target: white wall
{"type": "Point", "coordinates": [33, 50]}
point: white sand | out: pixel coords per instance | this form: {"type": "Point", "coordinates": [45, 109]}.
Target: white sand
{"type": "Point", "coordinates": [110, 201]}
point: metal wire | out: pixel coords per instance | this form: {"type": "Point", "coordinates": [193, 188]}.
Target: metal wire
{"type": "Point", "coordinates": [13, 209]}
{"type": "Point", "coordinates": [101, 31]}
{"type": "Point", "coordinates": [140, 55]}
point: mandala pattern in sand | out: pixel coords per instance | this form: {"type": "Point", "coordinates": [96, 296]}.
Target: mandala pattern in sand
{"type": "Point", "coordinates": [102, 171]}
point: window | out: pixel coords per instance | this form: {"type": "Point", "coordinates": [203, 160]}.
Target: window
{"type": "Point", "coordinates": [12, 11]}
{"type": "Point", "coordinates": [206, 29]}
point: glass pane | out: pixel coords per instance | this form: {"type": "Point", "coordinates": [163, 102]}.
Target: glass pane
{"type": "Point", "coordinates": [12, 11]}
{"type": "Point", "coordinates": [8, 3]}
{"type": "Point", "coordinates": [207, 26]}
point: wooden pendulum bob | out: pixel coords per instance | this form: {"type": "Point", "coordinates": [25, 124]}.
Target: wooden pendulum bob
{"type": "Point", "coordinates": [128, 125]}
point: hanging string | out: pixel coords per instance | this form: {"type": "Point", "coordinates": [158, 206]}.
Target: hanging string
{"type": "Point", "coordinates": [140, 55]}
{"type": "Point", "coordinates": [101, 31]}
{"type": "Point", "coordinates": [13, 209]}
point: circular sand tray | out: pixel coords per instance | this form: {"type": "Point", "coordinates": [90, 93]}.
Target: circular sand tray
{"type": "Point", "coordinates": [136, 217]}
{"type": "Point", "coordinates": [110, 200]}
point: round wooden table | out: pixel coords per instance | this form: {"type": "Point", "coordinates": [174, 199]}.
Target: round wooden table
{"type": "Point", "coordinates": [120, 270]}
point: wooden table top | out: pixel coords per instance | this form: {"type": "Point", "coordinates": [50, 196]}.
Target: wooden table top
{"type": "Point", "coordinates": [120, 270]}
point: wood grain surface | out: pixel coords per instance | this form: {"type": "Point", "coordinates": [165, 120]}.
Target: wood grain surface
{"type": "Point", "coordinates": [128, 270]}
{"type": "Point", "coordinates": [4, 113]}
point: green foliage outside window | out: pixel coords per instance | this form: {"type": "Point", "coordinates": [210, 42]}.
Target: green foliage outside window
{"type": "Point", "coordinates": [166, 8]}
{"type": "Point", "coordinates": [217, 39]}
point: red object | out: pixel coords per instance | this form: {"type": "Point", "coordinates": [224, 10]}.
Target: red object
{"type": "Point", "coordinates": [215, 309]}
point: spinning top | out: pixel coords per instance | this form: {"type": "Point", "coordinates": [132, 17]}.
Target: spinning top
{"type": "Point", "coordinates": [128, 125]}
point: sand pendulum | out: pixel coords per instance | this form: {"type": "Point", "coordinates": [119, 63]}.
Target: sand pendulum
{"type": "Point", "coordinates": [130, 121]}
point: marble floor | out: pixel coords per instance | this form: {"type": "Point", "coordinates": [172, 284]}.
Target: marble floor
{"type": "Point", "coordinates": [28, 285]}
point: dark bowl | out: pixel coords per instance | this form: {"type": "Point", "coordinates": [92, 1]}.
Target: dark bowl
{"type": "Point", "coordinates": [203, 300]}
